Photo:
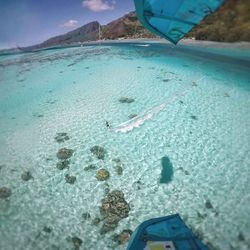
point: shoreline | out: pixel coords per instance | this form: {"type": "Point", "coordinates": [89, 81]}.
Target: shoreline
{"type": "Point", "coordinates": [183, 43]}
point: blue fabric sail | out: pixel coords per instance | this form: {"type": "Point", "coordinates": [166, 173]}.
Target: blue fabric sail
{"type": "Point", "coordinates": [169, 232]}
{"type": "Point", "coordinates": [173, 19]}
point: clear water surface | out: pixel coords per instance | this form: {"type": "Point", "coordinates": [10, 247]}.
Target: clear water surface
{"type": "Point", "coordinates": [192, 107]}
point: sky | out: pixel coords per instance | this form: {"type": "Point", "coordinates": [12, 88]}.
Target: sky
{"type": "Point", "coordinates": [28, 22]}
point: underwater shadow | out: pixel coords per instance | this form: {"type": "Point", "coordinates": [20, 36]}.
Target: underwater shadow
{"type": "Point", "coordinates": [167, 170]}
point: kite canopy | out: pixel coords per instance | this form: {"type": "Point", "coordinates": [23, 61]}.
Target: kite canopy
{"type": "Point", "coordinates": [173, 19]}
{"type": "Point", "coordinates": [169, 232]}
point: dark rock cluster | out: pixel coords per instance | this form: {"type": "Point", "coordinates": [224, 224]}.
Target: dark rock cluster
{"type": "Point", "coordinates": [208, 204]}
{"type": "Point", "coordinates": [77, 242]}
{"type": "Point", "coordinates": [64, 153]}
{"type": "Point", "coordinates": [123, 237]}
{"type": "Point", "coordinates": [166, 80]}
{"type": "Point", "coordinates": [194, 117]}
{"type": "Point", "coordinates": [86, 216]}
{"type": "Point", "coordinates": [63, 164]}
{"type": "Point", "coordinates": [98, 151]}
{"type": "Point", "coordinates": [102, 174]}
{"type": "Point", "coordinates": [241, 237]}
{"type": "Point", "coordinates": [132, 116]}
{"type": "Point", "coordinates": [61, 137]}
{"type": "Point", "coordinates": [47, 229]}
{"type": "Point", "coordinates": [96, 221]}
{"type": "Point", "coordinates": [118, 166]}
{"type": "Point", "coordinates": [126, 100]}
{"type": "Point", "coordinates": [5, 192]}
{"type": "Point", "coordinates": [114, 208]}
{"type": "Point", "coordinates": [90, 167]}
{"type": "Point", "coordinates": [119, 169]}
{"type": "Point", "coordinates": [70, 179]}
{"type": "Point", "coordinates": [26, 176]}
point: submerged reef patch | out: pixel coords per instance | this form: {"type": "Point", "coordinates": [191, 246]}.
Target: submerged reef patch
{"type": "Point", "coordinates": [132, 116]}
{"type": "Point", "coordinates": [117, 160]}
{"type": "Point", "coordinates": [194, 117]}
{"type": "Point", "coordinates": [26, 176]}
{"type": "Point", "coordinates": [90, 167]}
{"type": "Point", "coordinates": [118, 166]}
{"type": "Point", "coordinates": [62, 164]}
{"type": "Point", "coordinates": [241, 237]}
{"type": "Point", "coordinates": [70, 179]}
{"type": "Point", "coordinates": [47, 229]}
{"type": "Point", "coordinates": [126, 100]}
{"type": "Point", "coordinates": [96, 221]}
{"type": "Point", "coordinates": [77, 242]}
{"type": "Point", "coordinates": [102, 174]}
{"type": "Point", "coordinates": [208, 204]}
{"type": "Point", "coordinates": [123, 237]}
{"type": "Point", "coordinates": [166, 80]}
{"type": "Point", "coordinates": [64, 153]}
{"type": "Point", "coordinates": [86, 216]}
{"type": "Point", "coordinates": [167, 170]}
{"type": "Point", "coordinates": [99, 152]}
{"type": "Point", "coordinates": [114, 208]}
{"type": "Point", "coordinates": [61, 137]}
{"type": "Point", "coordinates": [119, 170]}
{"type": "Point", "coordinates": [5, 192]}
{"type": "Point", "coordinates": [38, 115]}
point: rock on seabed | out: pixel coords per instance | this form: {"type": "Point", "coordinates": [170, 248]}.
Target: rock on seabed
{"type": "Point", "coordinates": [131, 116]}
{"type": "Point", "coordinates": [64, 153]}
{"type": "Point", "coordinates": [98, 151]}
{"type": "Point", "coordinates": [126, 100]}
{"type": "Point", "coordinates": [61, 137]}
{"type": "Point", "coordinates": [102, 174]}
{"type": "Point", "coordinates": [26, 176]}
{"type": "Point", "coordinates": [70, 179]}
{"type": "Point", "coordinates": [63, 164]}
{"type": "Point", "coordinates": [5, 192]}
{"type": "Point", "coordinates": [114, 208]}
{"type": "Point", "coordinates": [123, 237]}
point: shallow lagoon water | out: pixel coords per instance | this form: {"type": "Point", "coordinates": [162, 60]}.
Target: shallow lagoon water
{"type": "Point", "coordinates": [193, 109]}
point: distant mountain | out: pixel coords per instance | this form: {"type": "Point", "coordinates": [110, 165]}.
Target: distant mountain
{"type": "Point", "coordinates": [87, 32]}
{"type": "Point", "coordinates": [127, 26]}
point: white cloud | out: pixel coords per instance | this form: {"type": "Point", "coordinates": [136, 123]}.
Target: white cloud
{"type": "Point", "coordinates": [70, 24]}
{"type": "Point", "coordinates": [99, 5]}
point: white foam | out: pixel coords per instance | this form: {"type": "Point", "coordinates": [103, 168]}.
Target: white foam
{"type": "Point", "coordinates": [139, 120]}
{"type": "Point", "coordinates": [142, 45]}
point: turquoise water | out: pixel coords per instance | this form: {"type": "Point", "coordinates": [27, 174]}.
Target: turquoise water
{"type": "Point", "coordinates": [192, 108]}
